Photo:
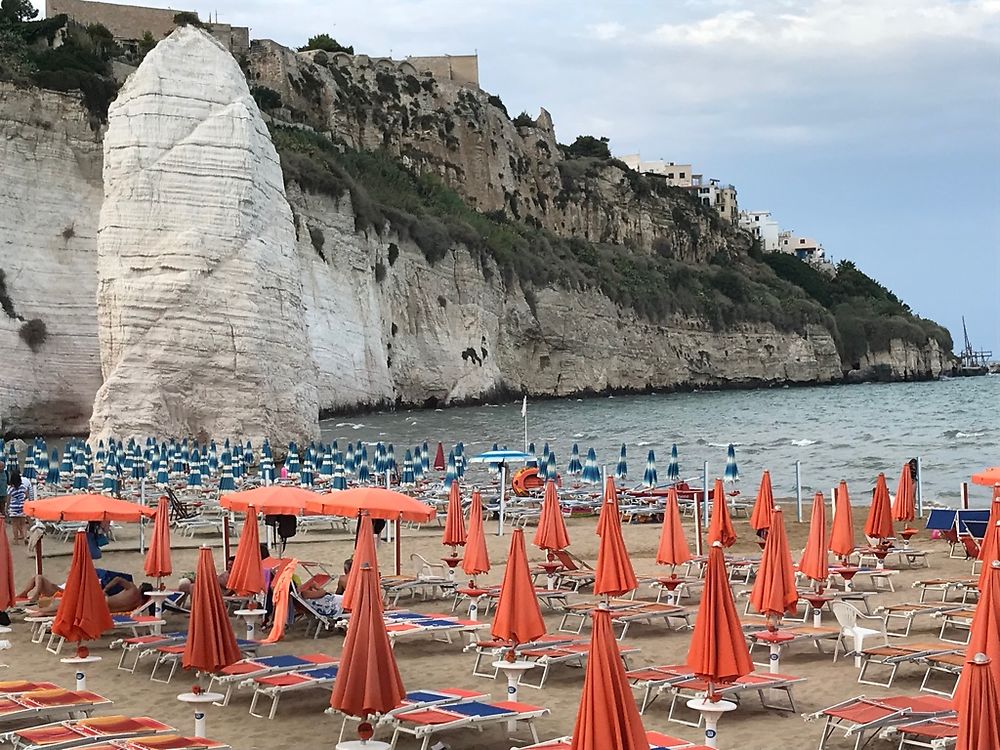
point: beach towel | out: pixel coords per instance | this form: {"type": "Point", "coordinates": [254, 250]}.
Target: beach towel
{"type": "Point", "coordinates": [282, 592]}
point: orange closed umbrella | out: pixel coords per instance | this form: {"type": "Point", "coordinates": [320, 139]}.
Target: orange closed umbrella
{"type": "Point", "coordinates": [720, 527]}
{"type": "Point", "coordinates": [364, 552]}
{"type": "Point", "coordinates": [904, 506]}
{"type": "Point", "coordinates": [984, 632]}
{"type": "Point", "coordinates": [246, 577]}
{"type": "Point", "coordinates": [989, 550]}
{"type": "Point", "coordinates": [609, 507]}
{"type": "Point", "coordinates": [517, 618]}
{"type": "Point", "coordinates": [842, 533]}
{"type": "Point", "coordinates": [8, 592]}
{"type": "Point", "coordinates": [476, 560]}
{"type": "Point", "coordinates": [774, 591]}
{"type": "Point", "coordinates": [987, 477]}
{"type": "Point", "coordinates": [158, 563]}
{"type": "Point", "coordinates": [718, 652]}
{"type": "Point", "coordinates": [815, 563]}
{"type": "Point", "coordinates": [879, 522]}
{"type": "Point", "coordinates": [211, 644]}
{"type": "Point", "coordinates": [977, 701]}
{"type": "Point", "coordinates": [673, 549]}
{"type": "Point", "coordinates": [613, 575]}
{"type": "Point", "coordinates": [608, 717]}
{"type": "Point", "coordinates": [83, 613]}
{"type": "Point", "coordinates": [368, 681]}
{"type": "Point", "coordinates": [551, 533]}
{"type": "Point", "coordinates": [760, 519]}
{"type": "Point", "coordinates": [454, 522]}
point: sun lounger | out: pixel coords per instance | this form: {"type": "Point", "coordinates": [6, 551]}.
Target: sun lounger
{"type": "Point", "coordinates": [653, 680]}
{"type": "Point", "coordinates": [274, 686]}
{"type": "Point", "coordinates": [766, 684]}
{"type": "Point", "coordinates": [421, 699]}
{"type": "Point", "coordinates": [799, 634]}
{"type": "Point", "coordinates": [894, 655]}
{"type": "Point", "coordinates": [956, 623]}
{"type": "Point", "coordinates": [863, 718]}
{"type": "Point", "coordinates": [656, 740]}
{"type": "Point", "coordinates": [424, 723]}
{"type": "Point", "coordinates": [129, 623]}
{"type": "Point", "coordinates": [143, 643]}
{"type": "Point", "coordinates": [491, 650]}
{"type": "Point", "coordinates": [948, 664]}
{"type": "Point", "coordinates": [45, 703]}
{"type": "Point", "coordinates": [79, 732]}
{"type": "Point", "coordinates": [322, 622]}
{"type": "Point", "coordinates": [438, 627]}
{"type": "Point", "coordinates": [945, 587]}
{"type": "Point", "coordinates": [16, 687]}
{"type": "Point", "coordinates": [173, 653]}
{"type": "Point", "coordinates": [162, 742]}
{"type": "Point", "coordinates": [930, 734]}
{"type": "Point", "coordinates": [908, 612]}
{"type": "Point", "coordinates": [624, 612]}
{"type": "Point", "coordinates": [242, 671]}
{"type": "Point", "coordinates": [573, 655]}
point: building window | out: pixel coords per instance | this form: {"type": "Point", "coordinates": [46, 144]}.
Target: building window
{"type": "Point", "coordinates": [802, 242]}
{"type": "Point", "coordinates": [682, 175]}
{"type": "Point", "coordinates": [706, 201]}
{"type": "Point", "coordinates": [670, 175]}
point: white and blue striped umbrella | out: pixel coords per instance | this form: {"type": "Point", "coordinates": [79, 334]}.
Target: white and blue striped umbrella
{"type": "Point", "coordinates": [407, 479]}
{"type": "Point", "coordinates": [203, 466]}
{"type": "Point", "coordinates": [551, 470]}
{"type": "Point", "coordinates": [390, 458]}
{"type": "Point", "coordinates": [267, 468]}
{"type": "Point", "coordinates": [460, 460]}
{"type": "Point", "coordinates": [81, 480]}
{"type": "Point", "coordinates": [88, 461]}
{"type": "Point", "coordinates": [227, 483]}
{"type": "Point", "coordinates": [139, 467]}
{"type": "Point", "coordinates": [361, 461]}
{"type": "Point", "coordinates": [575, 467]}
{"type": "Point", "coordinates": [674, 467]}
{"type": "Point", "coordinates": [306, 476]}
{"type": "Point", "coordinates": [292, 462]}
{"type": "Point", "coordinates": [194, 470]}
{"type": "Point", "coordinates": [339, 481]}
{"type": "Point", "coordinates": [29, 463]}
{"type": "Point", "coordinates": [213, 459]}
{"type": "Point", "coordinates": [418, 464]}
{"type": "Point", "coordinates": [649, 476]}
{"type": "Point", "coordinates": [732, 471]}
{"type": "Point", "coordinates": [378, 460]}
{"type": "Point", "coordinates": [162, 471]}
{"type": "Point", "coordinates": [451, 472]}
{"type": "Point", "coordinates": [237, 460]}
{"type": "Point", "coordinates": [621, 468]}
{"type": "Point", "coordinates": [52, 477]}
{"type": "Point", "coordinates": [248, 457]}
{"type": "Point", "coordinates": [101, 456]}
{"type": "Point", "coordinates": [591, 471]}
{"type": "Point", "coordinates": [425, 459]}
{"type": "Point", "coordinates": [177, 462]}
{"type": "Point", "coordinates": [66, 467]}
{"type": "Point", "coordinates": [349, 457]}
{"type": "Point", "coordinates": [326, 468]}
{"type": "Point", "coordinates": [109, 480]}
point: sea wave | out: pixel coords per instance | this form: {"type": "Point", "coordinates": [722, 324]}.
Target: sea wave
{"type": "Point", "coordinates": [804, 442]}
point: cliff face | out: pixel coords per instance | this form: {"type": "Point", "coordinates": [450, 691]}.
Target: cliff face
{"type": "Point", "coordinates": [199, 301]}
{"type": "Point", "coordinates": [50, 197]}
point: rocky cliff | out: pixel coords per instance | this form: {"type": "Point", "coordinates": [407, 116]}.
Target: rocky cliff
{"type": "Point", "coordinates": [199, 303]}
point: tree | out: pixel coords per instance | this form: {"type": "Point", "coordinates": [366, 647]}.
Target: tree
{"type": "Point", "coordinates": [187, 18]}
{"type": "Point", "coordinates": [146, 44]}
{"type": "Point", "coordinates": [588, 145]}
{"type": "Point", "coordinates": [524, 120]}
{"type": "Point", "coordinates": [17, 10]}
{"type": "Point", "coordinates": [326, 43]}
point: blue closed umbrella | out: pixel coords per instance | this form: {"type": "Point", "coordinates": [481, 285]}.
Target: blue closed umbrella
{"type": "Point", "coordinates": [460, 460]}
{"type": "Point", "coordinates": [551, 471]}
{"type": "Point", "coordinates": [339, 481]}
{"type": "Point", "coordinates": [451, 472]}
{"type": "Point", "coordinates": [66, 467]}
{"type": "Point", "coordinates": [194, 472]}
{"type": "Point", "coordinates": [732, 471]}
{"type": "Point", "coordinates": [81, 480]}
{"type": "Point", "coordinates": [29, 463]}
{"type": "Point", "coordinates": [227, 483]}
{"type": "Point", "coordinates": [425, 460]}
{"type": "Point", "coordinates": [267, 468]}
{"type": "Point", "coordinates": [306, 476]}
{"type": "Point", "coordinates": [326, 468]}
{"type": "Point", "coordinates": [364, 473]}
{"type": "Point", "coordinates": [418, 464]}
{"type": "Point", "coordinates": [575, 467]}
{"type": "Point", "coordinates": [53, 474]}
{"type": "Point", "coordinates": [292, 462]}
{"type": "Point", "coordinates": [349, 458]}
{"type": "Point", "coordinates": [109, 480]}
{"type": "Point", "coordinates": [649, 476]}
{"type": "Point", "coordinates": [621, 468]}
{"type": "Point", "coordinates": [591, 471]}
{"type": "Point", "coordinates": [162, 470]}
{"type": "Point", "coordinates": [673, 468]}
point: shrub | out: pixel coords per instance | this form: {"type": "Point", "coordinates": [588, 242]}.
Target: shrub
{"type": "Point", "coordinates": [69, 232]}
{"type": "Point", "coordinates": [265, 97]}
{"type": "Point", "coordinates": [186, 18]}
{"type": "Point", "coordinates": [588, 145]}
{"type": "Point", "coordinates": [34, 333]}
{"type": "Point", "coordinates": [524, 120]}
{"type": "Point", "coordinates": [497, 102]}
{"type": "Point", "coordinates": [442, 302]}
{"type": "Point", "coordinates": [326, 43]}
{"type": "Point", "coordinates": [386, 83]}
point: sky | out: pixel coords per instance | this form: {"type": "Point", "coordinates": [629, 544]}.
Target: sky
{"type": "Point", "coordinates": [871, 125]}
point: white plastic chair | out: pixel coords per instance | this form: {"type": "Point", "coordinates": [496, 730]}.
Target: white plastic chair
{"type": "Point", "coordinates": [849, 617]}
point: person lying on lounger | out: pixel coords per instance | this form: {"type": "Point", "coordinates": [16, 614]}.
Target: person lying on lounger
{"type": "Point", "coordinates": [121, 594]}
{"type": "Point", "coordinates": [327, 604]}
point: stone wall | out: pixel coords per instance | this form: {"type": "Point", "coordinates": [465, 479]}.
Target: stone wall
{"type": "Point", "coordinates": [458, 68]}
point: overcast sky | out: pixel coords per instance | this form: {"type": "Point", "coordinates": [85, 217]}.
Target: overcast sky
{"type": "Point", "coordinates": [872, 125]}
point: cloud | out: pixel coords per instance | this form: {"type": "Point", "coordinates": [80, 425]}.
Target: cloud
{"type": "Point", "coordinates": [605, 31]}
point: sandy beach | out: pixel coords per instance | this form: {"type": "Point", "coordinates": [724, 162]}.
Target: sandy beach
{"type": "Point", "coordinates": [425, 664]}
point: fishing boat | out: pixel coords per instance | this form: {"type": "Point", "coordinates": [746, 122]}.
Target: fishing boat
{"type": "Point", "coordinates": [972, 361]}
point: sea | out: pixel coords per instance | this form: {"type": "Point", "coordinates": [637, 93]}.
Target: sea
{"type": "Point", "coordinates": [849, 432]}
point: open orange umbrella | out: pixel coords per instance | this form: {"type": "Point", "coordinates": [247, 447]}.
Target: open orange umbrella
{"type": "Point", "coordinates": [608, 717]}
{"type": "Point", "coordinates": [517, 618]}
{"type": "Point", "coordinates": [211, 644]}
{"type": "Point", "coordinates": [673, 549]}
{"type": "Point", "coordinates": [271, 500]}
{"type": "Point", "coordinates": [842, 533]}
{"type": "Point", "coordinates": [760, 519]}
{"type": "Point", "coordinates": [879, 522]}
{"type": "Point", "coordinates": [989, 549]}
{"type": "Point", "coordinates": [609, 507]}
{"type": "Point", "coordinates": [246, 578]}
{"type": "Point", "coordinates": [720, 527]}
{"type": "Point", "coordinates": [83, 613]}
{"type": "Point", "coordinates": [977, 701]}
{"type": "Point", "coordinates": [987, 477]}
{"type": "Point", "coordinates": [454, 522]}
{"type": "Point", "coordinates": [158, 563]}
{"type": "Point", "coordinates": [364, 552]}
{"type": "Point", "coordinates": [718, 652]}
{"type": "Point", "coordinates": [377, 502]}
{"type": "Point", "coordinates": [904, 506]}
{"type": "Point", "coordinates": [984, 632]}
{"type": "Point", "coordinates": [815, 563]}
{"type": "Point", "coordinates": [368, 681]}
{"type": "Point", "coordinates": [86, 507]}
{"type": "Point", "coordinates": [774, 592]}
{"type": "Point", "coordinates": [614, 574]}
{"type": "Point", "coordinates": [476, 560]}
{"type": "Point", "coordinates": [551, 533]}
{"type": "Point", "coordinates": [8, 592]}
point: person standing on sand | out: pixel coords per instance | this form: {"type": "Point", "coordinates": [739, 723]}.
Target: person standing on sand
{"type": "Point", "coordinates": [3, 486]}
{"type": "Point", "coordinates": [17, 492]}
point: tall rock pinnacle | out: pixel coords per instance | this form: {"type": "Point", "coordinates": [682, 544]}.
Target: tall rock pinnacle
{"type": "Point", "coordinates": [200, 312]}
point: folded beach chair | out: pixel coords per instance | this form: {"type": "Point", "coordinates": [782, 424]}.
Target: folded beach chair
{"type": "Point", "coordinates": [241, 672]}
{"type": "Point", "coordinates": [656, 740]}
{"type": "Point", "coordinates": [162, 742]}
{"type": "Point", "coordinates": [274, 686]}
{"type": "Point", "coordinates": [79, 732]}
{"type": "Point", "coordinates": [863, 718]}
{"type": "Point", "coordinates": [653, 680]}
{"type": "Point", "coordinates": [424, 723]}
{"type": "Point", "coordinates": [492, 649]}
{"type": "Point", "coordinates": [173, 653]}
{"type": "Point", "coordinates": [45, 703]}
{"type": "Point", "coordinates": [929, 734]}
{"type": "Point", "coordinates": [573, 655]}
{"type": "Point", "coordinates": [766, 684]}
{"type": "Point", "coordinates": [894, 655]}
{"type": "Point", "coordinates": [16, 687]}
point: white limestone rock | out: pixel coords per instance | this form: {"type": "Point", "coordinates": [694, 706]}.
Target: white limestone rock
{"type": "Point", "coordinates": [200, 313]}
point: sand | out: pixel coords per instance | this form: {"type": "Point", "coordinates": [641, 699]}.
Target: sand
{"type": "Point", "coordinates": [426, 664]}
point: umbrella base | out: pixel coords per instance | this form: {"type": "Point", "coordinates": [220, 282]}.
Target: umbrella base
{"type": "Point", "coordinates": [711, 712]}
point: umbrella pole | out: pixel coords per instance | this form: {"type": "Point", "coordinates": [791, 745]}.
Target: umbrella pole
{"type": "Point", "coordinates": [38, 556]}
{"type": "Point", "coordinates": [704, 479]}
{"type": "Point", "coordinates": [697, 527]}
{"type": "Point", "coordinates": [142, 504]}
{"type": "Point", "coordinates": [225, 535]}
{"type": "Point", "coordinates": [503, 498]}
{"type": "Point", "coordinates": [399, 548]}
{"type": "Point", "coordinates": [920, 488]}
{"type": "Point", "coordinates": [798, 490]}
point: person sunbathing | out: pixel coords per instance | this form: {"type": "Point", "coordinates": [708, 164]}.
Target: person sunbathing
{"type": "Point", "coordinates": [121, 594]}
{"type": "Point", "coordinates": [324, 602]}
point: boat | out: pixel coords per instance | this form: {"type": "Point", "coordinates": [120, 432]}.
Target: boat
{"type": "Point", "coordinates": [972, 362]}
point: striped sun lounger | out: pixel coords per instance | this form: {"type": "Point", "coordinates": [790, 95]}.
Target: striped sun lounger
{"type": "Point", "coordinates": [243, 671]}
{"type": "Point", "coordinates": [174, 653]}
{"type": "Point", "coordinates": [273, 687]}
{"type": "Point", "coordinates": [78, 732]}
{"type": "Point", "coordinates": [936, 734]}
{"type": "Point", "coordinates": [424, 723]}
{"type": "Point", "coordinates": [423, 699]}
{"type": "Point", "coordinates": [44, 703]}
{"type": "Point", "coordinates": [575, 655]}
